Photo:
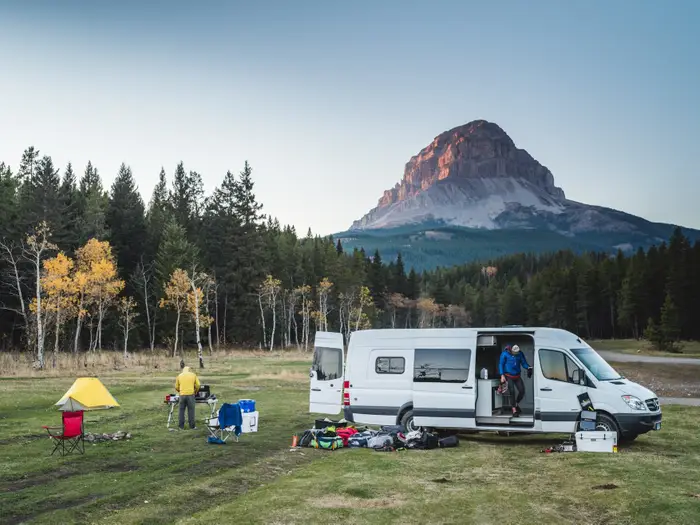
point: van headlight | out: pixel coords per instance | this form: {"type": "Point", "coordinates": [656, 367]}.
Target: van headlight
{"type": "Point", "coordinates": [634, 403]}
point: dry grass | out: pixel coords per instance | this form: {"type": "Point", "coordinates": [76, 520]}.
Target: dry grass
{"type": "Point", "coordinates": [23, 364]}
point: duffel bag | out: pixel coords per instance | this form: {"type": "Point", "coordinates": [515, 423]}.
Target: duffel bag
{"type": "Point", "coordinates": [327, 443]}
{"type": "Point", "coordinates": [449, 441]}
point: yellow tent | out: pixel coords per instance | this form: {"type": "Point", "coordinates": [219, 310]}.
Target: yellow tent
{"type": "Point", "coordinates": [87, 393]}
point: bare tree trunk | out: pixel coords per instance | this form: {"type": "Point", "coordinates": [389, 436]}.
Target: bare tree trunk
{"type": "Point", "coordinates": [151, 332]}
{"type": "Point", "coordinates": [39, 324]}
{"type": "Point", "coordinates": [177, 328]}
{"type": "Point", "coordinates": [58, 331]}
{"type": "Point", "coordinates": [262, 319]}
{"type": "Point", "coordinates": [208, 296]}
{"type": "Point", "coordinates": [126, 335]}
{"type": "Point", "coordinates": [223, 334]}
{"type": "Point", "coordinates": [78, 325]}
{"type": "Point", "coordinates": [196, 321]}
{"type": "Point", "coordinates": [273, 307]}
{"type": "Point", "coordinates": [100, 316]}
{"type": "Point", "coordinates": [216, 315]}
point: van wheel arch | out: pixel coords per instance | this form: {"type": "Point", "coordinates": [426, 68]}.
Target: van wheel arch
{"type": "Point", "coordinates": [402, 412]}
{"type": "Point", "coordinates": [612, 423]}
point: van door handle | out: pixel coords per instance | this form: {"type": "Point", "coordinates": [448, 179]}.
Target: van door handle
{"type": "Point", "coordinates": [468, 387]}
{"type": "Point", "coordinates": [546, 389]}
{"type": "Point", "coordinates": [316, 389]}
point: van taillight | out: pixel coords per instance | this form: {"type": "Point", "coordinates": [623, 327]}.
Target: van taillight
{"type": "Point", "coordinates": [346, 393]}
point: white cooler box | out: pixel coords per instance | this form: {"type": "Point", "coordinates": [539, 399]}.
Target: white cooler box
{"type": "Point", "coordinates": [250, 422]}
{"type": "Point", "coordinates": [596, 441]}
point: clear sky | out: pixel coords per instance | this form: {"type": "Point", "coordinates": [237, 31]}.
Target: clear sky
{"type": "Point", "coordinates": [328, 100]}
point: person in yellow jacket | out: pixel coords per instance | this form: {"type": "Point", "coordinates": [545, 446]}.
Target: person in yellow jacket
{"type": "Point", "coordinates": [186, 385]}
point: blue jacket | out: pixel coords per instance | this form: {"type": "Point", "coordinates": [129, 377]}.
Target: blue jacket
{"type": "Point", "coordinates": [510, 364]}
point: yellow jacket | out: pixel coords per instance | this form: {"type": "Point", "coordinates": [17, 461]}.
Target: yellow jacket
{"type": "Point", "coordinates": [187, 383]}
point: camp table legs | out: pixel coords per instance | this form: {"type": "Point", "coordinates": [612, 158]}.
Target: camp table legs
{"type": "Point", "coordinates": [212, 408]}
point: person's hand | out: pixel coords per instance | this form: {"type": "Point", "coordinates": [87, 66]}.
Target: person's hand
{"type": "Point", "coordinates": [503, 379]}
{"type": "Point", "coordinates": [529, 372]}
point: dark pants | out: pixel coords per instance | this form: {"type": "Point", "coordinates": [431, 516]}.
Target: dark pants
{"type": "Point", "coordinates": [516, 382]}
{"type": "Point", "coordinates": [186, 402]}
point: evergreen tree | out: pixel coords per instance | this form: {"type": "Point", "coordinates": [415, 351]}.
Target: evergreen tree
{"type": "Point", "coordinates": [126, 222]}
{"type": "Point", "coordinates": [159, 214]}
{"type": "Point", "coordinates": [69, 239]}
{"type": "Point", "coordinates": [175, 251]}
{"type": "Point", "coordinates": [186, 199]}
{"type": "Point", "coordinates": [512, 304]}
{"type": "Point", "coordinates": [92, 204]}
{"type": "Point", "coordinates": [632, 310]}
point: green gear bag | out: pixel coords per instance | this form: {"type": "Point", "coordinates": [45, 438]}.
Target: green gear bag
{"type": "Point", "coordinates": [327, 443]}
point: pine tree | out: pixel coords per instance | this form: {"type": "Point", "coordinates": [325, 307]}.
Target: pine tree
{"type": "Point", "coordinates": [159, 214]}
{"type": "Point", "coordinates": [93, 202]}
{"type": "Point", "coordinates": [69, 239]}
{"type": "Point", "coordinates": [126, 222]}
{"type": "Point", "coordinates": [512, 304]}
{"type": "Point", "coordinates": [632, 302]}
{"type": "Point", "coordinates": [175, 251]}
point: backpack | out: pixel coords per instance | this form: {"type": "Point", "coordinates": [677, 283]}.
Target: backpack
{"type": "Point", "coordinates": [426, 441]}
{"type": "Point", "coordinates": [306, 439]}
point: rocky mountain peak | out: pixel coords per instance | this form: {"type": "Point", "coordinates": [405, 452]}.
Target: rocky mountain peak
{"type": "Point", "coordinates": [477, 160]}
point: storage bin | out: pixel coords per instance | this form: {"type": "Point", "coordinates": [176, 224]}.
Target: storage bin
{"type": "Point", "coordinates": [250, 422]}
{"type": "Point", "coordinates": [596, 441]}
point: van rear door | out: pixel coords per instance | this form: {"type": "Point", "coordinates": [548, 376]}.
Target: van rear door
{"type": "Point", "coordinates": [326, 394]}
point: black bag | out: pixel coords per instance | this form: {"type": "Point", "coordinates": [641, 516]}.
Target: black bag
{"type": "Point", "coordinates": [449, 441]}
{"type": "Point", "coordinates": [426, 441]}
{"type": "Point", "coordinates": [430, 441]}
{"type": "Point", "coordinates": [392, 429]}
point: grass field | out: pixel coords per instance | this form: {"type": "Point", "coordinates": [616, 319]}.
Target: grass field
{"type": "Point", "coordinates": [632, 346]}
{"type": "Point", "coordinates": [176, 477]}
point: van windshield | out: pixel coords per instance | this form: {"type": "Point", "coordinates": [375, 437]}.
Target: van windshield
{"type": "Point", "coordinates": [596, 364]}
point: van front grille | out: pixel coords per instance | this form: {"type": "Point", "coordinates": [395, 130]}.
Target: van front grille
{"type": "Point", "coordinates": [653, 404]}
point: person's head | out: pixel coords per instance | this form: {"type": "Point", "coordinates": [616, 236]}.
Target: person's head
{"type": "Point", "coordinates": [515, 350]}
{"type": "Point", "coordinates": [182, 364]}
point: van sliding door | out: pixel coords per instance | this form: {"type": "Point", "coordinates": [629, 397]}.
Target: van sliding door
{"type": "Point", "coordinates": [443, 388]}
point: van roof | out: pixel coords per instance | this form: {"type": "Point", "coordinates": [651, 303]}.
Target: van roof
{"type": "Point", "coordinates": [422, 333]}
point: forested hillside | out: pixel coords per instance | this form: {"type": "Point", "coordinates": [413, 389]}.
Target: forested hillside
{"type": "Point", "coordinates": [87, 268]}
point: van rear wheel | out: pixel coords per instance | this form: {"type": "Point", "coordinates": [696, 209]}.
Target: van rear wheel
{"type": "Point", "coordinates": [407, 422]}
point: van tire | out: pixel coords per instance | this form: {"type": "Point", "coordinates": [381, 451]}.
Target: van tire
{"type": "Point", "coordinates": [606, 423]}
{"type": "Point", "coordinates": [407, 421]}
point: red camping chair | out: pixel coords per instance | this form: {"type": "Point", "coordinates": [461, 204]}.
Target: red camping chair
{"type": "Point", "coordinates": [73, 436]}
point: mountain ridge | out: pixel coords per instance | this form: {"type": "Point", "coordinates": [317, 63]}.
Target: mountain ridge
{"type": "Point", "coordinates": [473, 177]}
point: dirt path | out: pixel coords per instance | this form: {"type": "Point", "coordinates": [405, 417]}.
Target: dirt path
{"type": "Point", "coordinates": [618, 357]}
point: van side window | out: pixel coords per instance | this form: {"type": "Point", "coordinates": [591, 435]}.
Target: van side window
{"type": "Point", "coordinates": [441, 366]}
{"type": "Point", "coordinates": [328, 363]}
{"type": "Point", "coordinates": [390, 365]}
{"type": "Point", "coordinates": [557, 366]}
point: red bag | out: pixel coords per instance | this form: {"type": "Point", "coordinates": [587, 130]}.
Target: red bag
{"type": "Point", "coordinates": [344, 434]}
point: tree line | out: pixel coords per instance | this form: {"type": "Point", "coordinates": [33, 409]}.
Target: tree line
{"type": "Point", "coordinates": [97, 268]}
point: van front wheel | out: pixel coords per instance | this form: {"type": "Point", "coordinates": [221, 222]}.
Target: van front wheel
{"type": "Point", "coordinates": [407, 421]}
{"type": "Point", "coordinates": [605, 423]}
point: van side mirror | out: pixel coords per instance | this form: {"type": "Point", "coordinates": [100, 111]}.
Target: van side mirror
{"type": "Point", "coordinates": [578, 377]}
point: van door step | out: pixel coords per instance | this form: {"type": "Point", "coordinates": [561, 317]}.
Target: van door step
{"type": "Point", "coordinates": [506, 420]}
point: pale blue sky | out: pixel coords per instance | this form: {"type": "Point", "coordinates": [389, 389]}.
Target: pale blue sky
{"type": "Point", "coordinates": [329, 100]}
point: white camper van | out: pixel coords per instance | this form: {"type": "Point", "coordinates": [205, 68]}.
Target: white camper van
{"type": "Point", "coordinates": [446, 378]}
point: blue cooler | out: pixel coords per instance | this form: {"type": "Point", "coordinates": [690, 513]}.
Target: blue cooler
{"type": "Point", "coordinates": [247, 405]}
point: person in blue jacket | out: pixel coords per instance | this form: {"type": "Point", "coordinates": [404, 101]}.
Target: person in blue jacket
{"type": "Point", "coordinates": [512, 360]}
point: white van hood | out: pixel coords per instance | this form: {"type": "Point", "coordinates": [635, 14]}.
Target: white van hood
{"type": "Point", "coordinates": [629, 388]}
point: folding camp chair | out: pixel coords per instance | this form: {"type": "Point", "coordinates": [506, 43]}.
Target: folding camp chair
{"type": "Point", "coordinates": [72, 437]}
{"type": "Point", "coordinates": [226, 423]}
